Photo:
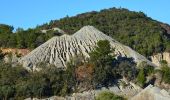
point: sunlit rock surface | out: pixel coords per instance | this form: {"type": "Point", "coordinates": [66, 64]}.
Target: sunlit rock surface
{"type": "Point", "coordinates": [60, 49]}
{"type": "Point", "coordinates": [152, 93]}
{"type": "Point", "coordinates": [156, 59]}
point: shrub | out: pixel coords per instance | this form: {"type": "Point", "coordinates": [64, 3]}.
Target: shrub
{"type": "Point", "coordinates": [148, 70]}
{"type": "Point", "coordinates": [166, 74]}
{"type": "Point", "coordinates": [1, 55]}
{"type": "Point", "coordinates": [108, 96]}
{"type": "Point", "coordinates": [141, 78]}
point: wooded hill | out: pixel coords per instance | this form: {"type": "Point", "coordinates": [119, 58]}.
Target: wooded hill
{"type": "Point", "coordinates": [134, 29]}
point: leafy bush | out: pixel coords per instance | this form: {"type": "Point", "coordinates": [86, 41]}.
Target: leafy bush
{"type": "Point", "coordinates": [18, 83]}
{"type": "Point", "coordinates": [166, 74]}
{"type": "Point", "coordinates": [1, 55]}
{"type": "Point", "coordinates": [125, 67]}
{"type": "Point", "coordinates": [141, 79]}
{"type": "Point", "coordinates": [148, 70]}
{"type": "Point", "coordinates": [108, 96]}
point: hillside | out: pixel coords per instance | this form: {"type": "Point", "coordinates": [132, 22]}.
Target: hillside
{"type": "Point", "coordinates": [60, 50]}
{"type": "Point", "coordinates": [58, 67]}
{"type": "Point", "coordinates": [133, 29]}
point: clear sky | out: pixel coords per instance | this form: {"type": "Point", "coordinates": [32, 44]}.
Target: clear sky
{"type": "Point", "coordinates": [29, 13]}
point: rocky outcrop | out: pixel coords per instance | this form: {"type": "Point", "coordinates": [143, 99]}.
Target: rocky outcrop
{"type": "Point", "coordinates": [12, 54]}
{"type": "Point", "coordinates": [59, 50]}
{"type": "Point", "coordinates": [54, 29]}
{"type": "Point", "coordinates": [21, 52]}
{"type": "Point", "coordinates": [159, 57]}
{"type": "Point", "coordinates": [152, 93]}
{"type": "Point", "coordinates": [166, 27]}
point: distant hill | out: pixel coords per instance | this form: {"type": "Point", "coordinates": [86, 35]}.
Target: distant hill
{"type": "Point", "coordinates": [135, 29]}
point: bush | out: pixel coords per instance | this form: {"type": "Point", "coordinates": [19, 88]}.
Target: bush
{"type": "Point", "coordinates": [125, 67]}
{"type": "Point", "coordinates": [108, 96]}
{"type": "Point", "coordinates": [17, 82]}
{"type": "Point", "coordinates": [166, 74]}
{"type": "Point", "coordinates": [141, 78]}
{"type": "Point", "coordinates": [1, 55]}
{"type": "Point", "coordinates": [148, 70]}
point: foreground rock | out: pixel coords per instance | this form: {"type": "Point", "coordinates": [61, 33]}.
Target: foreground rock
{"type": "Point", "coordinates": [152, 93]}
{"type": "Point", "coordinates": [59, 50]}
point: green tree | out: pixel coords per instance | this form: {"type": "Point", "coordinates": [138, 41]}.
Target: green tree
{"type": "Point", "coordinates": [141, 78]}
{"type": "Point", "coordinates": [165, 72]}
{"type": "Point", "coordinates": [102, 50]}
{"type": "Point", "coordinates": [102, 61]}
{"type": "Point", "coordinates": [6, 91]}
{"type": "Point", "coordinates": [125, 68]}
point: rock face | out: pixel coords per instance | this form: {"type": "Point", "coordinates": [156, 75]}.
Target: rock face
{"type": "Point", "coordinates": [159, 57]}
{"type": "Point", "coordinates": [21, 52]}
{"type": "Point", "coordinates": [59, 50]}
{"type": "Point", "coordinates": [166, 27]}
{"type": "Point", "coordinates": [152, 93]}
{"type": "Point", "coordinates": [54, 29]}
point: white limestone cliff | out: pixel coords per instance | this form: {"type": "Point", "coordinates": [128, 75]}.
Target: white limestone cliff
{"type": "Point", "coordinates": [60, 49]}
{"type": "Point", "coordinates": [159, 57]}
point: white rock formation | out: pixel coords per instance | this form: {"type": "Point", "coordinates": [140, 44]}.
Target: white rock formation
{"type": "Point", "coordinates": [152, 93]}
{"type": "Point", "coordinates": [59, 30]}
{"type": "Point", "coordinates": [59, 50]}
{"type": "Point", "coordinates": [159, 57]}
{"type": "Point", "coordinates": [54, 29]}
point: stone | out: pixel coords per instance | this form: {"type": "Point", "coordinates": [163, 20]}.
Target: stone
{"type": "Point", "coordinates": [159, 57]}
{"type": "Point", "coordinates": [61, 49]}
{"type": "Point", "coordinates": [152, 93]}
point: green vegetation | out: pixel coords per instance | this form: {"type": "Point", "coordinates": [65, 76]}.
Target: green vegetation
{"type": "Point", "coordinates": [18, 83]}
{"type": "Point", "coordinates": [108, 96]}
{"type": "Point", "coordinates": [141, 78]}
{"type": "Point", "coordinates": [101, 70]}
{"type": "Point", "coordinates": [145, 70]}
{"type": "Point", "coordinates": [107, 68]}
{"type": "Point", "coordinates": [166, 74]}
{"type": "Point", "coordinates": [125, 67]}
{"type": "Point", "coordinates": [102, 61]}
{"type": "Point", "coordinates": [1, 55]}
{"type": "Point", "coordinates": [165, 71]}
{"type": "Point", "coordinates": [30, 38]}
{"type": "Point", "coordinates": [134, 29]}
{"type": "Point", "coordinates": [148, 70]}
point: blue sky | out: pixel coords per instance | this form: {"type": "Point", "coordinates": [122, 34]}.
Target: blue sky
{"type": "Point", "coordinates": [29, 13]}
